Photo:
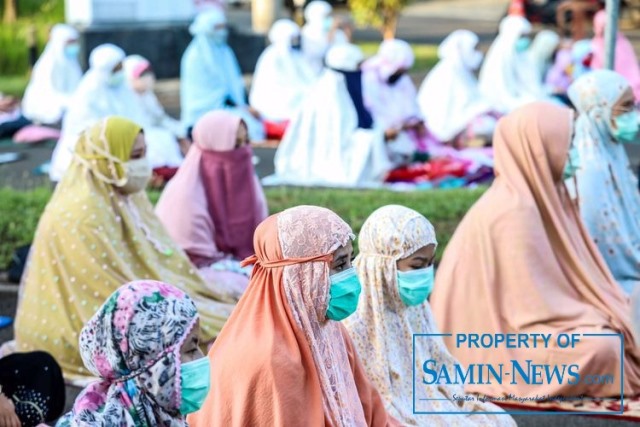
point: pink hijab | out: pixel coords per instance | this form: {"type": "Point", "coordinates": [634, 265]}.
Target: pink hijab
{"type": "Point", "coordinates": [626, 62]}
{"type": "Point", "coordinates": [215, 202]}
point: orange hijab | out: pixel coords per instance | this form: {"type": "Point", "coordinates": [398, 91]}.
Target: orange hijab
{"type": "Point", "coordinates": [522, 262]}
{"type": "Point", "coordinates": [278, 360]}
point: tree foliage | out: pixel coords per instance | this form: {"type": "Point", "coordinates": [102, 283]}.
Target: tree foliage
{"type": "Point", "coordinates": [381, 14]}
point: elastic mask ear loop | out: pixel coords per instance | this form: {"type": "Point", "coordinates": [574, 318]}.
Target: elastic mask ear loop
{"type": "Point", "coordinates": [119, 182]}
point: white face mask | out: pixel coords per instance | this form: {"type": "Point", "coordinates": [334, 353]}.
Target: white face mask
{"type": "Point", "coordinates": [116, 79]}
{"type": "Point", "coordinates": [138, 173]}
{"type": "Point", "coordinates": [474, 60]}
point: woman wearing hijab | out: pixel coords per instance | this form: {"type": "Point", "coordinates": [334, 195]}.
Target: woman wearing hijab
{"type": "Point", "coordinates": [626, 61]}
{"type": "Point", "coordinates": [333, 140]}
{"type": "Point", "coordinates": [395, 265]}
{"type": "Point", "coordinates": [103, 92]}
{"type": "Point", "coordinates": [220, 198]}
{"type": "Point", "coordinates": [142, 80]}
{"type": "Point", "coordinates": [143, 346]}
{"type": "Point", "coordinates": [508, 78]}
{"type": "Point", "coordinates": [455, 109]}
{"type": "Point", "coordinates": [522, 254]}
{"type": "Point", "coordinates": [97, 232]}
{"type": "Point", "coordinates": [283, 76]}
{"type": "Point", "coordinates": [607, 187]}
{"type": "Point", "coordinates": [54, 78]}
{"type": "Point", "coordinates": [542, 52]}
{"type": "Point", "coordinates": [31, 389]}
{"type": "Point", "coordinates": [283, 357]}
{"type": "Point", "coordinates": [390, 96]}
{"type": "Point", "coordinates": [210, 77]}
{"type": "Point", "coordinates": [319, 33]}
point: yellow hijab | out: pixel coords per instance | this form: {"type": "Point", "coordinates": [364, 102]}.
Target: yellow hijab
{"type": "Point", "coordinates": [90, 240]}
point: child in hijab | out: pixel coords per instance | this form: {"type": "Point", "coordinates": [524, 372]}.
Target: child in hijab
{"type": "Point", "coordinates": [143, 346]}
{"type": "Point", "coordinates": [395, 265]}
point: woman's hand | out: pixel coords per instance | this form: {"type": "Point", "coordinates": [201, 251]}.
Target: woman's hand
{"type": "Point", "coordinates": [391, 134]}
{"type": "Point", "coordinates": [8, 417]}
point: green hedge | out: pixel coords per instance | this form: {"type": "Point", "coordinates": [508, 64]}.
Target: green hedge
{"type": "Point", "coordinates": [19, 211]}
{"type": "Point", "coordinates": [42, 15]}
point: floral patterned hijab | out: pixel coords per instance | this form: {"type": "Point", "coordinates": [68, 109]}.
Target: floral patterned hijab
{"type": "Point", "coordinates": [133, 344]}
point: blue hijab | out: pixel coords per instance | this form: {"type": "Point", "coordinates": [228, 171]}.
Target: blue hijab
{"type": "Point", "coordinates": [353, 80]}
{"type": "Point", "coordinates": [607, 188]}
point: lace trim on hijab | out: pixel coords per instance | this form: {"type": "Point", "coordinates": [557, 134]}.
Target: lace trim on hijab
{"type": "Point", "coordinates": [307, 290]}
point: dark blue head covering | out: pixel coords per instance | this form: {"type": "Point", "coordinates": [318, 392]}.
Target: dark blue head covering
{"type": "Point", "coordinates": [354, 86]}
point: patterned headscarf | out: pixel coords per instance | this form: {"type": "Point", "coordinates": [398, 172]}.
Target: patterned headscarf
{"type": "Point", "coordinates": [133, 344]}
{"type": "Point", "coordinates": [382, 328]}
{"type": "Point", "coordinates": [607, 187]}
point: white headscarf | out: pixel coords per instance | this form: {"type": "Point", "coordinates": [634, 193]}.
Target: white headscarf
{"type": "Point", "coordinates": [282, 77]}
{"type": "Point", "coordinates": [54, 79]}
{"type": "Point", "coordinates": [323, 145]}
{"type": "Point", "coordinates": [315, 33]}
{"type": "Point", "coordinates": [210, 75]}
{"type": "Point", "coordinates": [390, 105]}
{"type": "Point", "coordinates": [93, 100]}
{"type": "Point", "coordinates": [449, 97]}
{"type": "Point", "coordinates": [541, 51]}
{"type": "Point", "coordinates": [382, 328]}
{"type": "Point", "coordinates": [508, 78]}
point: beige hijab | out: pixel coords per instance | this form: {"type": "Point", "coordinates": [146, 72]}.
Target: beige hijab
{"type": "Point", "coordinates": [522, 262]}
{"type": "Point", "coordinates": [382, 328]}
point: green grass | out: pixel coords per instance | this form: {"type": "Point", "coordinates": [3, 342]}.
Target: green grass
{"type": "Point", "coordinates": [20, 211]}
{"type": "Point", "coordinates": [426, 54]}
{"type": "Point", "coordinates": [13, 85]}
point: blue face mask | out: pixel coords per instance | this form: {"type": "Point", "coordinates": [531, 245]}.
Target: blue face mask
{"type": "Point", "coordinates": [343, 294]}
{"type": "Point", "coordinates": [219, 36]}
{"type": "Point", "coordinates": [194, 380]}
{"type": "Point", "coordinates": [523, 44]}
{"type": "Point", "coordinates": [415, 286]}
{"type": "Point", "coordinates": [573, 163]}
{"type": "Point", "coordinates": [626, 127]}
{"type": "Point", "coordinates": [71, 51]}
{"type": "Point", "coordinates": [328, 23]}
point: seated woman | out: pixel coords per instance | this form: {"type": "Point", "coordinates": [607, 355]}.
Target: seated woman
{"type": "Point", "coordinates": [210, 77]}
{"type": "Point", "coordinates": [283, 358]}
{"type": "Point", "coordinates": [455, 110]}
{"type": "Point", "coordinates": [31, 389]}
{"type": "Point", "coordinates": [282, 78]}
{"type": "Point", "coordinates": [103, 92]}
{"type": "Point", "coordinates": [142, 80]}
{"type": "Point", "coordinates": [142, 344]}
{"type": "Point", "coordinates": [626, 61]}
{"type": "Point", "coordinates": [220, 198]}
{"type": "Point", "coordinates": [390, 96]}
{"type": "Point", "coordinates": [607, 187]}
{"type": "Point", "coordinates": [395, 265]}
{"type": "Point", "coordinates": [320, 31]}
{"type": "Point", "coordinates": [54, 78]}
{"type": "Point", "coordinates": [333, 140]}
{"type": "Point", "coordinates": [97, 232]}
{"type": "Point", "coordinates": [522, 254]}
{"type": "Point", "coordinates": [508, 78]}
